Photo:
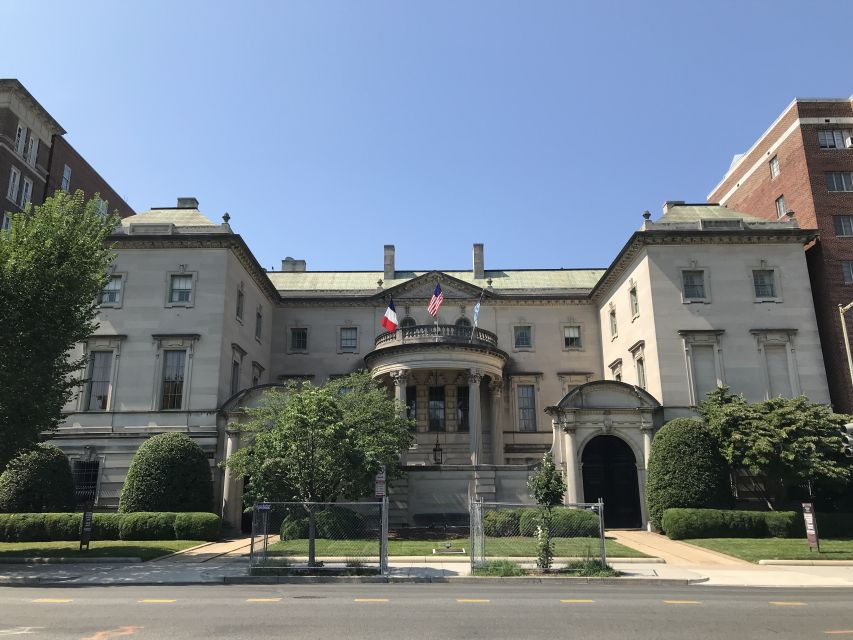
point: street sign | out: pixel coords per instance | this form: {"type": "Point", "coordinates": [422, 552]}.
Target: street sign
{"type": "Point", "coordinates": [86, 529]}
{"type": "Point", "coordinates": [264, 506]}
{"type": "Point", "coordinates": [811, 526]}
{"type": "Point", "coordinates": [380, 484]}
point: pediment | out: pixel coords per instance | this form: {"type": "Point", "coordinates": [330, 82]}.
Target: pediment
{"type": "Point", "coordinates": [422, 287]}
{"type": "Point", "coordinates": [608, 394]}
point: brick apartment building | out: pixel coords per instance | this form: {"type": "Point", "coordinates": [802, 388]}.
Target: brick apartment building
{"type": "Point", "coordinates": [36, 160]}
{"type": "Point", "coordinates": [804, 163]}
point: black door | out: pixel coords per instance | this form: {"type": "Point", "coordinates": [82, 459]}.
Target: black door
{"type": "Point", "coordinates": [610, 473]}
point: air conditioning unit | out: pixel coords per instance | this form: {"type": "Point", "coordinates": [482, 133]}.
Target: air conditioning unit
{"type": "Point", "coordinates": [848, 142]}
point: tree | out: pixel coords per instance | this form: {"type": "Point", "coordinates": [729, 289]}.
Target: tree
{"type": "Point", "coordinates": [53, 265]}
{"type": "Point", "coordinates": [790, 440]}
{"type": "Point", "coordinates": [321, 444]}
{"type": "Point", "coordinates": [547, 487]}
{"type": "Point", "coordinates": [37, 480]}
{"type": "Point", "coordinates": [685, 469]}
{"type": "Point", "coordinates": [169, 472]}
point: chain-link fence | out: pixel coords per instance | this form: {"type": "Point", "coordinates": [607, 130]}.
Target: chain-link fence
{"type": "Point", "coordinates": [320, 535]}
{"type": "Point", "coordinates": [501, 530]}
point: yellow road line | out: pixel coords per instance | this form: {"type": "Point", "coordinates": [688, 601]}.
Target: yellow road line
{"type": "Point", "coordinates": [158, 601]}
{"type": "Point", "coordinates": [782, 603]}
{"type": "Point", "coordinates": [577, 601]}
{"type": "Point", "coordinates": [681, 602]}
{"type": "Point", "coordinates": [471, 600]}
{"type": "Point", "coordinates": [370, 600]}
{"type": "Point", "coordinates": [54, 600]}
{"type": "Point", "coordinates": [263, 599]}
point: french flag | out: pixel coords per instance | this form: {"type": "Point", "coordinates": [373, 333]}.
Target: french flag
{"type": "Point", "coordinates": [389, 321]}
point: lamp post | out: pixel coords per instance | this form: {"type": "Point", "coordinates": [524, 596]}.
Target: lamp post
{"type": "Point", "coordinates": [436, 451]}
{"type": "Point", "coordinates": [841, 311]}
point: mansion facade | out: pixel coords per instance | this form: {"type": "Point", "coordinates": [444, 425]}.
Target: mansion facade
{"type": "Point", "coordinates": [586, 363]}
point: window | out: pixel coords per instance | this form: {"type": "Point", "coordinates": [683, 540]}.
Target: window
{"type": "Point", "coordinates": [101, 204]}
{"type": "Point", "coordinates": [241, 301]}
{"type": "Point", "coordinates": [779, 361]}
{"type": "Point", "coordinates": [526, 407]}
{"type": "Point", "coordinates": [436, 409]}
{"type": "Point", "coordinates": [298, 339]}
{"type": "Point", "coordinates": [85, 474]}
{"type": "Point", "coordinates": [839, 180]}
{"type": "Point", "coordinates": [640, 364]}
{"type": "Point", "coordinates": [100, 377]}
{"type": "Point", "coordinates": [572, 337]}
{"type": "Point", "coordinates": [834, 138]}
{"type": "Point", "coordinates": [408, 321]}
{"type": "Point", "coordinates": [349, 339]}
{"type": "Point", "coordinates": [843, 225]}
{"type": "Point", "coordinates": [257, 372]}
{"type": "Point", "coordinates": [704, 371]}
{"type": "Point", "coordinates": [774, 166]}
{"type": "Point", "coordinates": [412, 403]}
{"type": "Point", "coordinates": [259, 323]}
{"type": "Point", "coordinates": [463, 322]}
{"type": "Point", "coordinates": [847, 270]}
{"type": "Point", "coordinates": [20, 138]}
{"type": "Point", "coordinates": [764, 282]}
{"type": "Point", "coordinates": [613, 327]}
{"type": "Point", "coordinates": [781, 207]}
{"type": "Point", "coordinates": [111, 293]}
{"type": "Point", "coordinates": [31, 152]}
{"type": "Point", "coordinates": [235, 376]}
{"type": "Point", "coordinates": [172, 393]}
{"type": "Point", "coordinates": [523, 335]}
{"type": "Point", "coordinates": [462, 397]}
{"type": "Point", "coordinates": [616, 369]}
{"type": "Point", "coordinates": [777, 370]}
{"type": "Point", "coordinates": [66, 178]}
{"type": "Point", "coordinates": [14, 180]}
{"type": "Point", "coordinates": [635, 303]}
{"type": "Point", "coordinates": [693, 281]}
{"type": "Point", "coordinates": [180, 289]}
{"type": "Point", "coordinates": [26, 192]}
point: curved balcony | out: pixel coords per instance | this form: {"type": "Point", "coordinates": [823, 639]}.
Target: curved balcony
{"type": "Point", "coordinates": [441, 334]}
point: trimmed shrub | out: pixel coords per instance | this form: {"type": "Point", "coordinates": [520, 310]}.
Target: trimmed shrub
{"type": "Point", "coordinates": [501, 523]}
{"type": "Point", "coordinates": [148, 526]}
{"type": "Point", "coordinates": [686, 469]}
{"type": "Point", "coordinates": [834, 525]}
{"type": "Point", "coordinates": [528, 520]}
{"type": "Point", "coordinates": [571, 523]}
{"type": "Point", "coordinates": [63, 526]}
{"type": "Point", "coordinates": [294, 528]}
{"type": "Point", "coordinates": [169, 472]}
{"type": "Point", "coordinates": [36, 481]}
{"type": "Point", "coordinates": [340, 522]}
{"type": "Point", "coordinates": [720, 523]}
{"type": "Point", "coordinates": [197, 526]}
{"type": "Point", "coordinates": [106, 526]}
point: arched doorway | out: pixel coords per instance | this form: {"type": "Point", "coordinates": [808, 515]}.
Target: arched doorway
{"type": "Point", "coordinates": [610, 473]}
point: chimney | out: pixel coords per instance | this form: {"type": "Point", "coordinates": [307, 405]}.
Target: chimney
{"type": "Point", "coordinates": [187, 203]}
{"type": "Point", "coordinates": [389, 262]}
{"type": "Point", "coordinates": [669, 204]}
{"type": "Point", "coordinates": [291, 265]}
{"type": "Point", "coordinates": [479, 271]}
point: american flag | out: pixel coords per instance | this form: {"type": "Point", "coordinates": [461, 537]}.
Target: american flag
{"type": "Point", "coordinates": [435, 301]}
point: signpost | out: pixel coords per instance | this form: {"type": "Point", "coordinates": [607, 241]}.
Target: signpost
{"type": "Point", "coordinates": [811, 526]}
{"type": "Point", "coordinates": [86, 529]}
{"type": "Point", "coordinates": [380, 484]}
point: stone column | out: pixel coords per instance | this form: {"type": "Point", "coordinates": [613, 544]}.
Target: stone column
{"type": "Point", "coordinates": [475, 425]}
{"type": "Point", "coordinates": [642, 474]}
{"type": "Point", "coordinates": [232, 494]}
{"type": "Point", "coordinates": [648, 431]}
{"type": "Point", "coordinates": [401, 379]}
{"type": "Point", "coordinates": [570, 443]}
{"type": "Point", "coordinates": [496, 387]}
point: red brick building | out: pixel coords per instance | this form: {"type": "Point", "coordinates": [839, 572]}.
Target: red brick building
{"type": "Point", "coordinates": [36, 160]}
{"type": "Point", "coordinates": [804, 163]}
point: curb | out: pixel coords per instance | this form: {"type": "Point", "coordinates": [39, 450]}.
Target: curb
{"type": "Point", "coordinates": [517, 580]}
{"type": "Point", "coordinates": [71, 560]}
{"type": "Point", "coordinates": [439, 559]}
{"type": "Point", "coordinates": [807, 563]}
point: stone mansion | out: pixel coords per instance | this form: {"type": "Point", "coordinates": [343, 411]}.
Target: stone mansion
{"type": "Point", "coordinates": [587, 363]}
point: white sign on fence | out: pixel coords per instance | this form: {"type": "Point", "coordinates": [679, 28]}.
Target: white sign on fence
{"type": "Point", "coordinates": [380, 484]}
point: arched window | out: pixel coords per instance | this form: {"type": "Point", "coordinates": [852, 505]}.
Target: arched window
{"type": "Point", "coordinates": [408, 321]}
{"type": "Point", "coordinates": [463, 322]}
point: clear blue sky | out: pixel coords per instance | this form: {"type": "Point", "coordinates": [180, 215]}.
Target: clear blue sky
{"type": "Point", "coordinates": [327, 129]}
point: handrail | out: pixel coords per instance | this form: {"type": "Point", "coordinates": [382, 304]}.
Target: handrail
{"type": "Point", "coordinates": [450, 333]}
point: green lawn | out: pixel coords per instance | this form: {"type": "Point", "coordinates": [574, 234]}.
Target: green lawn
{"type": "Point", "coordinates": [755, 549]}
{"type": "Point", "coordinates": [494, 547]}
{"type": "Point", "coordinates": [145, 549]}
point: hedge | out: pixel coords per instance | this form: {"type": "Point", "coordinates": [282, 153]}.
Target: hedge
{"type": "Point", "coordinates": [565, 523]}
{"type": "Point", "coordinates": [334, 523]}
{"type": "Point", "coordinates": [169, 472]}
{"type": "Point", "coordinates": [46, 527]}
{"type": "Point", "coordinates": [686, 469]}
{"type": "Point", "coordinates": [37, 480]}
{"type": "Point", "coordinates": [718, 523]}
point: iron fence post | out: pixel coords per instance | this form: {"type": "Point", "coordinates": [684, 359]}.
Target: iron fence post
{"type": "Point", "coordinates": [383, 538]}
{"type": "Point", "coordinates": [252, 543]}
{"type": "Point", "coordinates": [601, 532]}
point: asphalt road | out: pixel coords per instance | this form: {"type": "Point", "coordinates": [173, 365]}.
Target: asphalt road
{"type": "Point", "coordinates": [434, 611]}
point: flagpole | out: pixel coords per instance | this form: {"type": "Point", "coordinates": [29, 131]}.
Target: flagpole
{"type": "Point", "coordinates": [477, 314]}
